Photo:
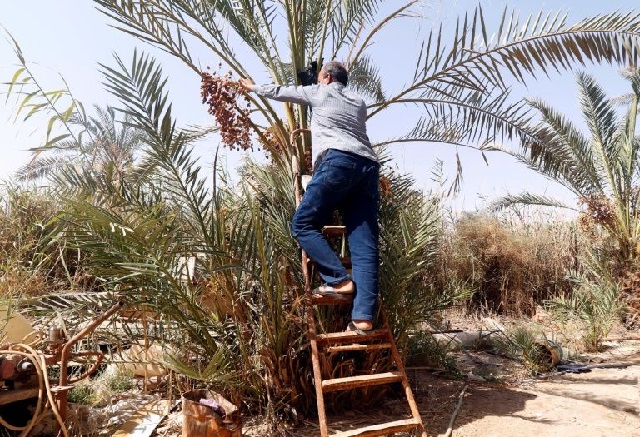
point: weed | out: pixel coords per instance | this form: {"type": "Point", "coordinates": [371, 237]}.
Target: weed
{"type": "Point", "coordinates": [423, 349]}
{"type": "Point", "coordinates": [537, 352]}
{"type": "Point", "coordinates": [120, 382]}
{"type": "Point", "coordinates": [109, 383]}
{"type": "Point", "coordinates": [594, 305]}
{"type": "Point", "coordinates": [82, 394]}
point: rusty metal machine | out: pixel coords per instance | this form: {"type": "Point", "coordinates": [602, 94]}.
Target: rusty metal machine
{"type": "Point", "coordinates": [24, 372]}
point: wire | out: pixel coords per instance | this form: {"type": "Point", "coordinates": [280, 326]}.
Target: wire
{"type": "Point", "coordinates": [43, 387]}
{"type": "Point", "coordinates": [39, 407]}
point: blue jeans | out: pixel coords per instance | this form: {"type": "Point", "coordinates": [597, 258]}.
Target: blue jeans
{"type": "Point", "coordinates": [349, 183]}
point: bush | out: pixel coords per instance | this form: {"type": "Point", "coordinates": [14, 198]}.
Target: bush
{"type": "Point", "coordinates": [511, 267]}
{"type": "Point", "coordinates": [424, 350]}
{"type": "Point", "coordinates": [594, 305]}
{"type": "Point", "coordinates": [32, 264]}
{"type": "Point", "coordinates": [82, 394]}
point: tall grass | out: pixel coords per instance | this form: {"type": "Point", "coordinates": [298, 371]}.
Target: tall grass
{"type": "Point", "coordinates": [510, 263]}
{"type": "Point", "coordinates": [31, 262]}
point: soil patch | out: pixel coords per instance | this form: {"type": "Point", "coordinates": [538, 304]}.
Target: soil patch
{"type": "Point", "coordinates": [502, 398]}
{"type": "Point", "coordinates": [601, 402]}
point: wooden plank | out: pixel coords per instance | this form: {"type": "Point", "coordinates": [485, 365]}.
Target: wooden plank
{"type": "Point", "coordinates": [351, 382]}
{"type": "Point", "coordinates": [358, 347]}
{"type": "Point", "coordinates": [19, 394]}
{"type": "Point", "coordinates": [351, 336]}
{"type": "Point", "coordinates": [344, 299]}
{"type": "Point", "coordinates": [382, 429]}
{"type": "Point", "coordinates": [144, 421]}
{"type": "Point", "coordinates": [60, 388]}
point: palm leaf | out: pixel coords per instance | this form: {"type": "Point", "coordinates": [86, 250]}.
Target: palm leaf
{"type": "Point", "coordinates": [58, 105]}
{"type": "Point", "coordinates": [364, 78]}
{"type": "Point", "coordinates": [529, 199]}
{"type": "Point", "coordinates": [409, 230]}
{"type": "Point", "coordinates": [476, 64]}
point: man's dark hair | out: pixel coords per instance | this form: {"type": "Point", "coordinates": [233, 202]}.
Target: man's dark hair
{"type": "Point", "coordinates": [337, 71]}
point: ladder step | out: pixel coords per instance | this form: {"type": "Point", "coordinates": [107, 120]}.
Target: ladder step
{"type": "Point", "coordinates": [334, 231]}
{"type": "Point", "coordinates": [340, 299]}
{"type": "Point", "coordinates": [350, 382]}
{"type": "Point", "coordinates": [346, 261]}
{"type": "Point", "coordinates": [59, 388]}
{"type": "Point", "coordinates": [351, 337]}
{"type": "Point", "coordinates": [358, 347]}
{"type": "Point", "coordinates": [382, 429]}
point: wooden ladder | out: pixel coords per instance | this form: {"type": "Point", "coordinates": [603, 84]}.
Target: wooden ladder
{"type": "Point", "coordinates": [378, 339]}
{"type": "Point", "coordinates": [333, 342]}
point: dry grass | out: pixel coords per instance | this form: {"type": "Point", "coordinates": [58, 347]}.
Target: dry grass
{"type": "Point", "coordinates": [22, 218]}
{"type": "Point", "coordinates": [32, 261]}
{"type": "Point", "coordinates": [511, 265]}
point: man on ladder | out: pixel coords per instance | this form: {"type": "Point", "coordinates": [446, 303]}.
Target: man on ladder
{"type": "Point", "coordinates": [345, 178]}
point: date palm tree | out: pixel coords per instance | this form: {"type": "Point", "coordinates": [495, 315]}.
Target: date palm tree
{"type": "Point", "coordinates": [601, 169]}
{"type": "Point", "coordinates": [102, 145]}
{"type": "Point", "coordinates": [241, 315]}
{"type": "Point", "coordinates": [459, 86]}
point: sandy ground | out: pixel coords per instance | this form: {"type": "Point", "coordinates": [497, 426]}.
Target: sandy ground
{"type": "Point", "coordinates": [602, 402]}
{"type": "Point", "coordinates": [505, 401]}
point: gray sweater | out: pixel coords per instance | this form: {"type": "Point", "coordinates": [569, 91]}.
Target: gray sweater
{"type": "Point", "coordinates": [338, 120]}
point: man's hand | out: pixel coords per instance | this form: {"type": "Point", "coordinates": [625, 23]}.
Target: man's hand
{"type": "Point", "coordinates": [247, 84]}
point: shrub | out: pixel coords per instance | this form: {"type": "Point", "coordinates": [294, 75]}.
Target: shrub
{"type": "Point", "coordinates": [510, 267]}
{"type": "Point", "coordinates": [595, 305]}
{"type": "Point", "coordinates": [82, 394]}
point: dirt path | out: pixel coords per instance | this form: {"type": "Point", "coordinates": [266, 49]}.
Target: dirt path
{"type": "Point", "coordinates": [603, 402]}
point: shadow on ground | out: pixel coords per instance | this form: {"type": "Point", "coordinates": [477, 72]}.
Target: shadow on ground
{"type": "Point", "coordinates": [436, 398]}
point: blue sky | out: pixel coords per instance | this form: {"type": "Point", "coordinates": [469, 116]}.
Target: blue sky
{"type": "Point", "coordinates": [69, 38]}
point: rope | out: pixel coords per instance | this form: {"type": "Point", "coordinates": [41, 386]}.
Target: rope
{"type": "Point", "coordinates": [43, 387]}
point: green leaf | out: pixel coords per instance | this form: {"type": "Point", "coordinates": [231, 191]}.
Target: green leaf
{"type": "Point", "coordinates": [14, 79]}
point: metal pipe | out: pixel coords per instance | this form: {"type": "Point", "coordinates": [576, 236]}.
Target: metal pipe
{"type": "Point", "coordinates": [99, 358]}
{"type": "Point", "coordinates": [66, 351]}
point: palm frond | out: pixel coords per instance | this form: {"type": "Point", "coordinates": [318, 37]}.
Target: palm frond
{"type": "Point", "coordinates": [141, 89]}
{"type": "Point", "coordinates": [465, 118]}
{"type": "Point", "coordinates": [602, 122]}
{"type": "Point", "coordinates": [272, 188]}
{"type": "Point", "coordinates": [347, 18]}
{"type": "Point", "coordinates": [472, 63]}
{"type": "Point", "coordinates": [409, 229]}
{"type": "Point", "coordinates": [560, 151]}
{"type": "Point", "coordinates": [542, 42]}
{"type": "Point", "coordinates": [526, 199]}
{"type": "Point", "coordinates": [39, 167]}
{"type": "Point", "coordinates": [364, 78]}
{"type": "Point", "coordinates": [74, 307]}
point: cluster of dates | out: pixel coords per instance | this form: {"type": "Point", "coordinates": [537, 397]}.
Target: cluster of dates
{"type": "Point", "coordinates": [230, 107]}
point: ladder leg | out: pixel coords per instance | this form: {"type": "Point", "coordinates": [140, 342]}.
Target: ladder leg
{"type": "Point", "coordinates": [317, 372]}
{"type": "Point", "coordinates": [315, 357]}
{"type": "Point", "coordinates": [400, 366]}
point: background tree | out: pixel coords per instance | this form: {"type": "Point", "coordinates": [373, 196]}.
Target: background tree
{"type": "Point", "coordinates": [100, 144]}
{"type": "Point", "coordinates": [602, 170]}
